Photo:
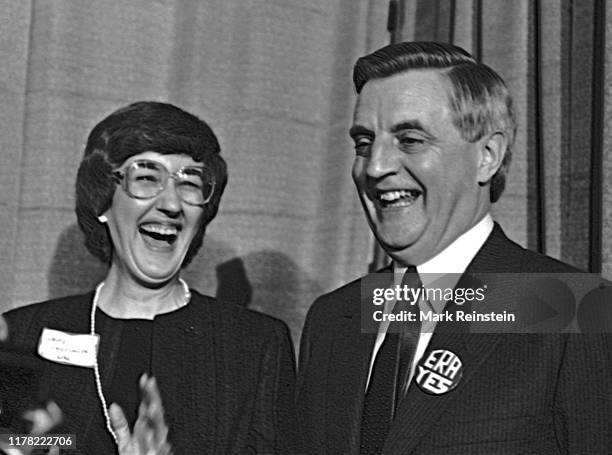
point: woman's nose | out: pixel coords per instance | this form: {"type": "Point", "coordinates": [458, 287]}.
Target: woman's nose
{"type": "Point", "coordinates": [169, 200]}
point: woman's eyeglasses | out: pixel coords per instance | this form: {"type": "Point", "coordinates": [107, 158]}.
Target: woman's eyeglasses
{"type": "Point", "coordinates": [145, 179]}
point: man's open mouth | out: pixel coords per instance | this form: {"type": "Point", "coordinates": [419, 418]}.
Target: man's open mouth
{"type": "Point", "coordinates": [397, 198]}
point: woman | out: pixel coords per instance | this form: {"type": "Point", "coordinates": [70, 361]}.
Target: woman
{"type": "Point", "coordinates": [150, 182]}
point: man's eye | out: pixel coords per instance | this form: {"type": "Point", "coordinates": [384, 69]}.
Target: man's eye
{"type": "Point", "coordinates": [409, 141]}
{"type": "Point", "coordinates": [362, 147]}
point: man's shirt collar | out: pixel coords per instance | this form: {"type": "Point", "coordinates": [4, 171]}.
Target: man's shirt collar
{"type": "Point", "coordinates": [457, 256]}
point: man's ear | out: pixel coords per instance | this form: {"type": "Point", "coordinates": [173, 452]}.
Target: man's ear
{"type": "Point", "coordinates": [492, 151]}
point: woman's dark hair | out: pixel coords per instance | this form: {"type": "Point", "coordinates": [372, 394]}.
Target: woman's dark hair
{"type": "Point", "coordinates": [144, 126]}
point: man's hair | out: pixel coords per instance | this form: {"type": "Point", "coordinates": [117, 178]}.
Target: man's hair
{"type": "Point", "coordinates": [141, 127]}
{"type": "Point", "coordinates": [479, 98]}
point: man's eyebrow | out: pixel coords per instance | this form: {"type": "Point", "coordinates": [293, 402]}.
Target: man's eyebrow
{"type": "Point", "coordinates": [409, 125]}
{"type": "Point", "coordinates": [358, 130]}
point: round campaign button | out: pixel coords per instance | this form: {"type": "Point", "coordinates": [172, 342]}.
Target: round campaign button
{"type": "Point", "coordinates": [439, 372]}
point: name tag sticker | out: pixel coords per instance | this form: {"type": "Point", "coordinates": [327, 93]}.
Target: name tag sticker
{"type": "Point", "coordinates": [68, 348]}
{"type": "Point", "coordinates": [439, 373]}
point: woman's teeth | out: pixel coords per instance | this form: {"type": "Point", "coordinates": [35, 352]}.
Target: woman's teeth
{"type": "Point", "coordinates": [159, 232]}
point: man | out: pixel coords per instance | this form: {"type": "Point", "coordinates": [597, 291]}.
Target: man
{"type": "Point", "coordinates": [433, 131]}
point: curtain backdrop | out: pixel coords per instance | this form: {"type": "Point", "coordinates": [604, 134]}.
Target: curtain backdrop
{"type": "Point", "coordinates": [272, 78]}
{"type": "Point", "coordinates": [556, 57]}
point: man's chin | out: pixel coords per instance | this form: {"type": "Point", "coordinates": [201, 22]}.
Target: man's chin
{"type": "Point", "coordinates": [407, 249]}
{"type": "Point", "coordinates": [395, 246]}
{"type": "Point", "coordinates": [397, 238]}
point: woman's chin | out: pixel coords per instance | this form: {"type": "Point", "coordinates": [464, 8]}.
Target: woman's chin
{"type": "Point", "coordinates": [156, 275]}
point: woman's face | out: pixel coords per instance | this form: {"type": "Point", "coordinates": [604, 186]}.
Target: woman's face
{"type": "Point", "coordinates": [151, 236]}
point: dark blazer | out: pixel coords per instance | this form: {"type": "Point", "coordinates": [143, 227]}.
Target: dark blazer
{"type": "Point", "coordinates": [226, 375]}
{"type": "Point", "coordinates": [519, 394]}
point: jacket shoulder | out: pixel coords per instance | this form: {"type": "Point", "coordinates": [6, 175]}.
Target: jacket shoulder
{"type": "Point", "coordinates": [499, 254]}
{"type": "Point", "coordinates": [236, 318]}
{"type": "Point", "coordinates": [338, 300]}
{"type": "Point", "coordinates": [25, 322]}
{"type": "Point", "coordinates": [59, 304]}
{"type": "Point", "coordinates": [537, 262]}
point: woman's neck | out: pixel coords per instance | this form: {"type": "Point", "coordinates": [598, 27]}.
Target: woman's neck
{"type": "Point", "coordinates": [123, 297]}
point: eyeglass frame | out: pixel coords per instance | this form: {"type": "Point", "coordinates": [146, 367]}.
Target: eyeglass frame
{"type": "Point", "coordinates": [120, 178]}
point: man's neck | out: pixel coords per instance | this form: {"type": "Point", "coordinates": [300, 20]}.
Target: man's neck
{"type": "Point", "coordinates": [456, 257]}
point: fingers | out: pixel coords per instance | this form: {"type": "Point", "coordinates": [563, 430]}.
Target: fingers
{"type": "Point", "coordinates": [5, 448]}
{"type": "Point", "coordinates": [151, 429]}
{"type": "Point", "coordinates": [44, 419]}
{"type": "Point", "coordinates": [155, 409]}
{"type": "Point", "coordinates": [55, 413]}
{"type": "Point", "coordinates": [3, 329]}
{"type": "Point", "coordinates": [150, 432]}
{"type": "Point", "coordinates": [120, 426]}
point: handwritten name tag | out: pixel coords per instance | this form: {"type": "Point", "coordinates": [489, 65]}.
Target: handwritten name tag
{"type": "Point", "coordinates": [68, 348]}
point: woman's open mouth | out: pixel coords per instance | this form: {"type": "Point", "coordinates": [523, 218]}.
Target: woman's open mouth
{"type": "Point", "coordinates": [157, 234]}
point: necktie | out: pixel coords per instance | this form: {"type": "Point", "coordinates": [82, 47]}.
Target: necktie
{"type": "Point", "coordinates": [409, 336]}
{"type": "Point", "coordinates": [388, 381]}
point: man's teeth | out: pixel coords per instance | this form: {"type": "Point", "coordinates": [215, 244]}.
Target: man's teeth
{"type": "Point", "coordinates": [403, 196]}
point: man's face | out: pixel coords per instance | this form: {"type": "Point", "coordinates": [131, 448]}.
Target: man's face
{"type": "Point", "coordinates": [416, 177]}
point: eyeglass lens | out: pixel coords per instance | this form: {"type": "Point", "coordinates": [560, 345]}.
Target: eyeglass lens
{"type": "Point", "coordinates": [146, 179]}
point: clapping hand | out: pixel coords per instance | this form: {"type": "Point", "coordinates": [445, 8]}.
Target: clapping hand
{"type": "Point", "coordinates": [3, 329]}
{"type": "Point", "coordinates": [150, 433]}
{"type": "Point", "coordinates": [42, 420]}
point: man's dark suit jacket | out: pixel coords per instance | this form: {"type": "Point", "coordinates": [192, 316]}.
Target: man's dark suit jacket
{"type": "Point", "coordinates": [519, 394]}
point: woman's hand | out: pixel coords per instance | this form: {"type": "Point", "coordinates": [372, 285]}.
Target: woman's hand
{"type": "Point", "coordinates": [42, 420]}
{"type": "Point", "coordinates": [3, 329]}
{"type": "Point", "coordinates": [150, 433]}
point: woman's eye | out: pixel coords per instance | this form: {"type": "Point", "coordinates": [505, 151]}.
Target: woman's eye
{"type": "Point", "coordinates": [191, 184]}
{"type": "Point", "coordinates": [147, 178]}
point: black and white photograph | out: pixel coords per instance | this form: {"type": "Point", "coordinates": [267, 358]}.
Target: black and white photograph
{"type": "Point", "coordinates": [306, 227]}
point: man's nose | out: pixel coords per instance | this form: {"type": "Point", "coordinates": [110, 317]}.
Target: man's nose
{"type": "Point", "coordinates": [383, 159]}
{"type": "Point", "coordinates": [169, 200]}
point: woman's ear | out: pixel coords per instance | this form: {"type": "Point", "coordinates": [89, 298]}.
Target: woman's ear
{"type": "Point", "coordinates": [492, 151]}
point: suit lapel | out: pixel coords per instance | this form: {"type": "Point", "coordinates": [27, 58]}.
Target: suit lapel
{"type": "Point", "coordinates": [346, 388]}
{"type": "Point", "coordinates": [419, 411]}
{"type": "Point", "coordinates": [348, 369]}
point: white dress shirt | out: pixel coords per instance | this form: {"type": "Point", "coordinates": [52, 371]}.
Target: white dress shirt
{"type": "Point", "coordinates": [453, 260]}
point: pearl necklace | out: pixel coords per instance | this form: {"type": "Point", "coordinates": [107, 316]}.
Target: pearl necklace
{"type": "Point", "coordinates": [92, 331]}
